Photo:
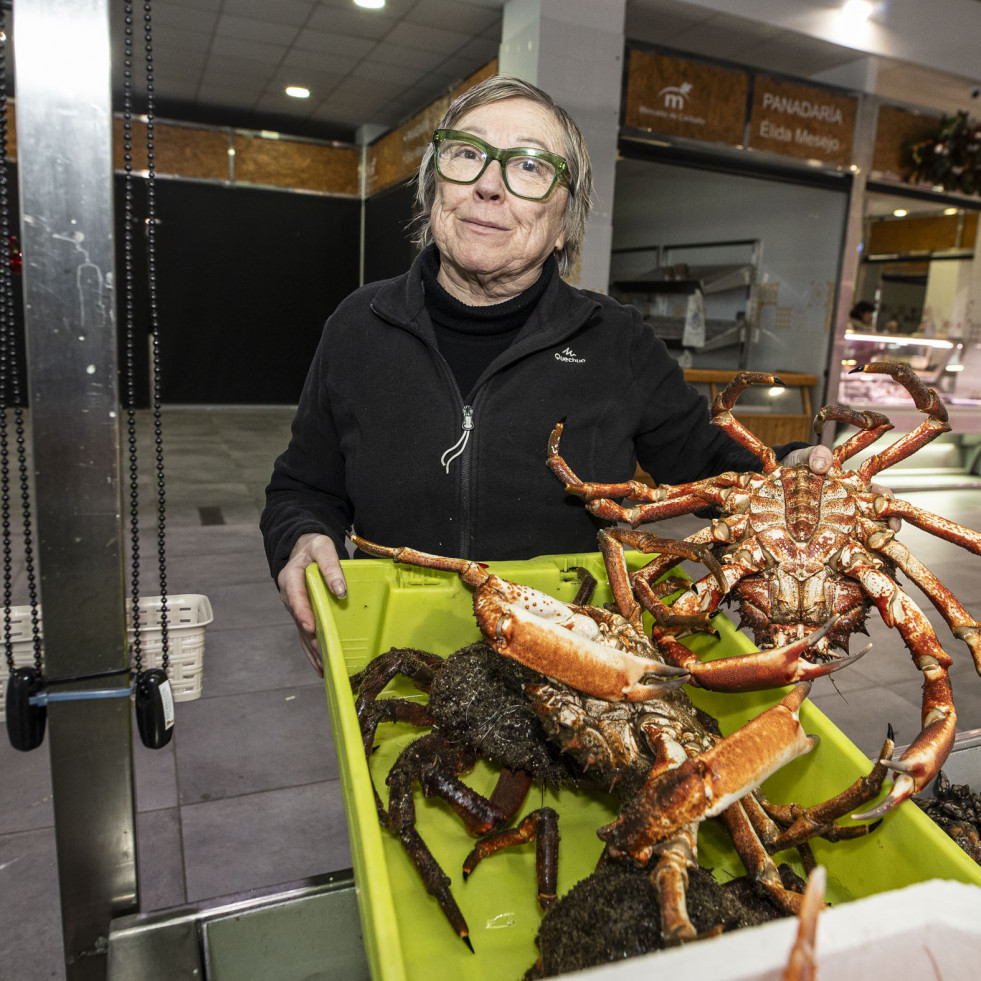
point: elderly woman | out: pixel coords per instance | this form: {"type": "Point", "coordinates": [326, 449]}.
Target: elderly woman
{"type": "Point", "coordinates": [426, 413]}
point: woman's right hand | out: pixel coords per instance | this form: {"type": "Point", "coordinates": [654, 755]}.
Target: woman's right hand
{"type": "Point", "coordinates": [293, 588]}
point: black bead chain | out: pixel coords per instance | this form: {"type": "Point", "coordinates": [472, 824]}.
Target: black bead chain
{"type": "Point", "coordinates": [129, 374]}
{"type": "Point", "coordinates": [130, 332]}
{"type": "Point", "coordinates": [10, 383]}
{"type": "Point", "coordinates": [151, 212]}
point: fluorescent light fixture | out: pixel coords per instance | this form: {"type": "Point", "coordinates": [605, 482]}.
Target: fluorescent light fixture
{"type": "Point", "coordinates": [370, 4]}
{"type": "Point", "coordinates": [908, 340]}
{"type": "Point", "coordinates": [900, 213]}
{"type": "Point", "coordinates": [297, 92]}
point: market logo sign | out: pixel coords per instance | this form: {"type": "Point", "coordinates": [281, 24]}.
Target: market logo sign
{"type": "Point", "coordinates": [675, 96]}
{"type": "Point", "coordinates": [800, 121]}
{"type": "Point", "coordinates": [685, 98]}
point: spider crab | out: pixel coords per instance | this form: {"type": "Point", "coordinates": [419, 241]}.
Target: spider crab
{"type": "Point", "coordinates": [613, 708]}
{"type": "Point", "coordinates": [799, 551]}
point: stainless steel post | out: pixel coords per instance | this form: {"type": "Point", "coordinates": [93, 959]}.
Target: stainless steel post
{"type": "Point", "coordinates": [64, 136]}
{"type": "Point", "coordinates": [865, 127]}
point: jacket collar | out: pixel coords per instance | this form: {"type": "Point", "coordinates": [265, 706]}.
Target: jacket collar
{"type": "Point", "coordinates": [560, 313]}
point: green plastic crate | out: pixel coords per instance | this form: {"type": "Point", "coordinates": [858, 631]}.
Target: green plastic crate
{"type": "Point", "coordinates": [405, 935]}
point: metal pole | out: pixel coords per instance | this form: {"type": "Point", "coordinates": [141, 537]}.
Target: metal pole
{"type": "Point", "coordinates": [865, 126]}
{"type": "Point", "coordinates": [64, 136]}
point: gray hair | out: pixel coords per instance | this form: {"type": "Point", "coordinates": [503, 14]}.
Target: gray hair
{"type": "Point", "coordinates": [580, 172]}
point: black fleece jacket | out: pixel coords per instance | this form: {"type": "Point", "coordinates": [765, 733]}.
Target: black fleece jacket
{"type": "Point", "coordinates": [383, 442]}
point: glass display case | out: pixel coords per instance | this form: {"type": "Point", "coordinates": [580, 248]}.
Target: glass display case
{"type": "Point", "coordinates": [939, 362]}
{"type": "Point", "coordinates": [917, 270]}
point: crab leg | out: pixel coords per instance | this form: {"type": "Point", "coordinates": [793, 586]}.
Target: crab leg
{"type": "Point", "coordinates": [707, 784]}
{"type": "Point", "coordinates": [925, 399]}
{"type": "Point", "coordinates": [542, 827]}
{"type": "Point", "coordinates": [654, 503]}
{"type": "Point", "coordinates": [611, 542]}
{"type": "Point", "coordinates": [756, 858]}
{"type": "Point", "coordinates": [962, 625]}
{"type": "Point", "coordinates": [926, 754]}
{"type": "Point", "coordinates": [792, 825]}
{"type": "Point", "coordinates": [872, 426]}
{"type": "Point", "coordinates": [670, 878]}
{"type": "Point", "coordinates": [557, 464]}
{"type": "Point", "coordinates": [887, 507]}
{"type": "Point", "coordinates": [472, 573]}
{"type": "Point", "coordinates": [802, 964]}
{"type": "Point", "coordinates": [436, 881]}
{"type": "Point", "coordinates": [722, 415]}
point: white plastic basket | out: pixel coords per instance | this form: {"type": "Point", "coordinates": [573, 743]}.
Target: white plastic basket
{"type": "Point", "coordinates": [187, 616]}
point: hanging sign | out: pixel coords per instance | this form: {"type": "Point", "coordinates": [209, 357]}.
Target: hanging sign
{"type": "Point", "coordinates": [686, 98]}
{"type": "Point", "coordinates": [801, 121]}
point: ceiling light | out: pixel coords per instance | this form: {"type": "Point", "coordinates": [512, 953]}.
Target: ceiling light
{"type": "Point", "coordinates": [900, 213]}
{"type": "Point", "coordinates": [297, 92]}
{"type": "Point", "coordinates": [371, 4]}
{"type": "Point", "coordinates": [950, 211]}
{"type": "Point", "coordinates": [857, 11]}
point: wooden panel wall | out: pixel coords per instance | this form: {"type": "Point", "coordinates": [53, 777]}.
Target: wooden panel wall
{"type": "Point", "coordinates": [303, 166]}
{"type": "Point", "coordinates": [178, 151]}
{"type": "Point", "coordinates": [922, 233]}
{"type": "Point", "coordinates": [227, 155]}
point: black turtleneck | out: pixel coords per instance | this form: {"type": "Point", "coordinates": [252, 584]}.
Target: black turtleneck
{"type": "Point", "coordinates": [471, 337]}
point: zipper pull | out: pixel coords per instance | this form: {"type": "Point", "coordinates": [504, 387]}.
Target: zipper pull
{"type": "Point", "coordinates": [461, 444]}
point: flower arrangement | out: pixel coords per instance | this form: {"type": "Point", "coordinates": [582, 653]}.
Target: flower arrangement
{"type": "Point", "coordinates": [950, 158]}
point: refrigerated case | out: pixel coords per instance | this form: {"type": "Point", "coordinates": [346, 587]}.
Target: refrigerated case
{"type": "Point", "coordinates": [918, 268]}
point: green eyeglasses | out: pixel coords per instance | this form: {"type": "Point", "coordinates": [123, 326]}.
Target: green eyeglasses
{"type": "Point", "coordinates": [528, 172]}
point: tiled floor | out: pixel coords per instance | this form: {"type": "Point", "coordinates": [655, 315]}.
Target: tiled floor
{"type": "Point", "coordinates": [246, 795]}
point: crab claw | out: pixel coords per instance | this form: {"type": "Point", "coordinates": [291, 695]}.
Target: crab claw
{"type": "Point", "coordinates": [922, 760]}
{"type": "Point", "coordinates": [551, 648]}
{"type": "Point", "coordinates": [771, 668]}
{"type": "Point", "coordinates": [705, 785]}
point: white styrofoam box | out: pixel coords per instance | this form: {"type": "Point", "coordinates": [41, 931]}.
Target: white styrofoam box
{"type": "Point", "coordinates": [919, 933]}
{"type": "Point", "coordinates": [187, 616]}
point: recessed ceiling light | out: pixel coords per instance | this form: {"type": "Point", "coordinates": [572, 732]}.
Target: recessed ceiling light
{"type": "Point", "coordinates": [297, 92]}
{"type": "Point", "coordinates": [900, 213]}
{"type": "Point", "coordinates": [371, 4]}
{"type": "Point", "coordinates": [857, 11]}
{"type": "Point", "coordinates": [950, 211]}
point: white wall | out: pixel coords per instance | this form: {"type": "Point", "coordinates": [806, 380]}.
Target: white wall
{"type": "Point", "coordinates": [801, 233]}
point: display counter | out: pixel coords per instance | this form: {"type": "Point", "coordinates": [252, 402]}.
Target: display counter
{"type": "Point", "coordinates": [949, 365]}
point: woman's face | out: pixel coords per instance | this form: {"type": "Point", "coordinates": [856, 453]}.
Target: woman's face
{"type": "Point", "coordinates": [493, 244]}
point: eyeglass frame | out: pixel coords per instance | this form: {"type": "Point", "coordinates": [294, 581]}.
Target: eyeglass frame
{"type": "Point", "coordinates": [560, 164]}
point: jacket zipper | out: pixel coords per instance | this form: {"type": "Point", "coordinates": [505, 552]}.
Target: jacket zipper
{"type": "Point", "coordinates": [461, 444]}
{"type": "Point", "coordinates": [457, 451]}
